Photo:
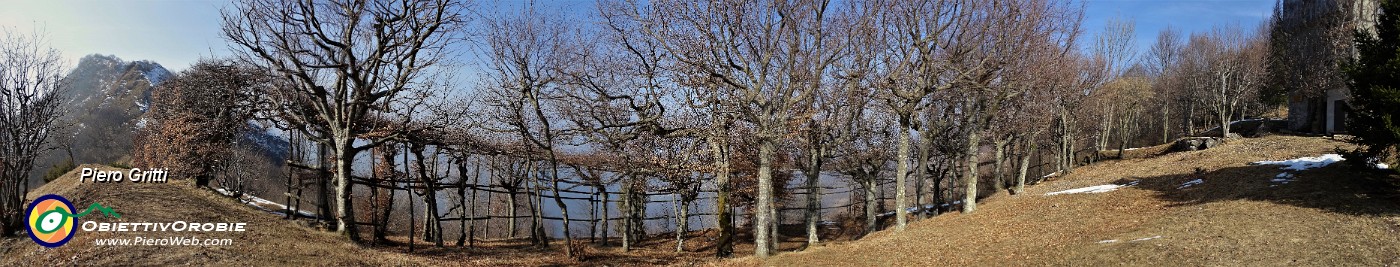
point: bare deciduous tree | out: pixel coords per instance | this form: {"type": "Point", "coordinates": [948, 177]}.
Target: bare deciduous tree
{"type": "Point", "coordinates": [766, 58]}
{"type": "Point", "coordinates": [345, 60]}
{"type": "Point", "coordinates": [31, 98]}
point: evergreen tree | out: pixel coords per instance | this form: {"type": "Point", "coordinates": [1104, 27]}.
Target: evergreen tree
{"type": "Point", "coordinates": [1374, 78]}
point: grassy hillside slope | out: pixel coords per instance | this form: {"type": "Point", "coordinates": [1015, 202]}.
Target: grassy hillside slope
{"type": "Point", "coordinates": [269, 241]}
{"type": "Point", "coordinates": [1237, 216]}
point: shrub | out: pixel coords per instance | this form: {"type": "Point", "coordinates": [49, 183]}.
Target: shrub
{"type": "Point", "coordinates": [58, 170]}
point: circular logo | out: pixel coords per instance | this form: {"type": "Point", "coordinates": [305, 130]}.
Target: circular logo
{"type": "Point", "coordinates": [50, 220]}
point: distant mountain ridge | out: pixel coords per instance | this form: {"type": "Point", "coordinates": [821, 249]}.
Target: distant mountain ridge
{"type": "Point", "coordinates": [108, 97]}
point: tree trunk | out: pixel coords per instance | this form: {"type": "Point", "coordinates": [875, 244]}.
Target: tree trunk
{"type": "Point", "coordinates": [468, 206]}
{"type": "Point", "coordinates": [970, 178]}
{"type": "Point", "coordinates": [593, 216]}
{"type": "Point", "coordinates": [291, 153]}
{"type": "Point", "coordinates": [682, 221]}
{"type": "Point", "coordinates": [1190, 129]}
{"type": "Point", "coordinates": [412, 228]}
{"type": "Point", "coordinates": [724, 247]}
{"type": "Point", "coordinates": [998, 176]}
{"type": "Point", "coordinates": [1166, 124]}
{"type": "Point", "coordinates": [462, 201]}
{"type": "Point", "coordinates": [1027, 149]}
{"type": "Point", "coordinates": [559, 201]}
{"type": "Point", "coordinates": [921, 170]}
{"type": "Point", "coordinates": [813, 194]}
{"type": "Point", "coordinates": [476, 180]}
{"type": "Point", "coordinates": [324, 183]}
{"type": "Point", "coordinates": [901, 214]}
{"type": "Point", "coordinates": [603, 191]}
{"type": "Point", "coordinates": [537, 234]}
{"type": "Point", "coordinates": [432, 226]}
{"type": "Point", "coordinates": [344, 157]}
{"type": "Point", "coordinates": [938, 197]}
{"type": "Point", "coordinates": [510, 212]}
{"type": "Point", "coordinates": [627, 212]}
{"type": "Point", "coordinates": [870, 201]}
{"type": "Point", "coordinates": [762, 211]}
{"type": "Point", "coordinates": [1224, 124]}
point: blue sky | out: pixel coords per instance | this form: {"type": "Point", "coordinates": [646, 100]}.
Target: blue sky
{"type": "Point", "coordinates": [177, 33]}
{"type": "Point", "coordinates": [1187, 16]}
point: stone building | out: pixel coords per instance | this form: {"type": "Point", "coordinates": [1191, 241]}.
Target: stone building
{"type": "Point", "coordinates": [1315, 37]}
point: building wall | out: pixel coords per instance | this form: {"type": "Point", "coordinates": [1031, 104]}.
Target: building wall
{"type": "Point", "coordinates": [1302, 16]}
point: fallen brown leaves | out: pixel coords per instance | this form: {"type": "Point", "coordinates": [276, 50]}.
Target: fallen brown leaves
{"type": "Point", "coordinates": [1328, 216]}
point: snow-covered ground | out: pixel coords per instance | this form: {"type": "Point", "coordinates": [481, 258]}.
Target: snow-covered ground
{"type": "Point", "coordinates": [1190, 183]}
{"type": "Point", "coordinates": [1304, 163]}
{"type": "Point", "coordinates": [1111, 241]}
{"type": "Point", "coordinates": [1292, 166]}
{"type": "Point", "coordinates": [262, 204]}
{"type": "Point", "coordinates": [1147, 238]}
{"type": "Point", "coordinates": [1283, 178]}
{"type": "Point", "coordinates": [1093, 189]}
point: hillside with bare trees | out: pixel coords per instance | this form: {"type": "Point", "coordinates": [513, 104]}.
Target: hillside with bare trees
{"type": "Point", "coordinates": [728, 132]}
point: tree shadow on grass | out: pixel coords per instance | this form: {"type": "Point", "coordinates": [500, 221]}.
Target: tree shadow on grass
{"type": "Point", "coordinates": [1336, 188]}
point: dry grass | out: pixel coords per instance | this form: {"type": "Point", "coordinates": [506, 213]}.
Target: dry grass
{"type": "Point", "coordinates": [1328, 216]}
{"type": "Point", "coordinates": [268, 241]}
{"type": "Point", "coordinates": [271, 241]}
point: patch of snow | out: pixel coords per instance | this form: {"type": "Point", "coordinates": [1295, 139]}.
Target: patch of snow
{"type": "Point", "coordinates": [1304, 163]}
{"type": "Point", "coordinates": [144, 107]}
{"type": "Point", "coordinates": [155, 73]}
{"type": "Point", "coordinates": [1377, 164]}
{"type": "Point", "coordinates": [260, 203]}
{"type": "Point", "coordinates": [1190, 183]}
{"type": "Point", "coordinates": [1290, 167]}
{"type": "Point", "coordinates": [1111, 241]}
{"type": "Point", "coordinates": [1147, 238]}
{"type": "Point", "coordinates": [1093, 189]}
{"type": "Point", "coordinates": [1050, 175]}
{"type": "Point", "coordinates": [140, 124]}
{"type": "Point", "coordinates": [917, 209]}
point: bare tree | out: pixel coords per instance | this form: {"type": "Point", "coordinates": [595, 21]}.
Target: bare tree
{"type": "Point", "coordinates": [914, 39]}
{"type": "Point", "coordinates": [31, 98]}
{"type": "Point", "coordinates": [1009, 35]}
{"type": "Point", "coordinates": [1228, 66]}
{"type": "Point", "coordinates": [344, 60]}
{"type": "Point", "coordinates": [767, 66]}
{"type": "Point", "coordinates": [1162, 60]}
{"type": "Point", "coordinates": [864, 158]}
{"type": "Point", "coordinates": [530, 55]}
{"type": "Point", "coordinates": [1115, 46]}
